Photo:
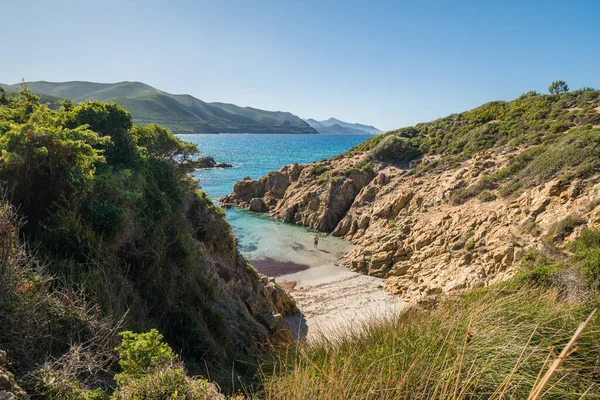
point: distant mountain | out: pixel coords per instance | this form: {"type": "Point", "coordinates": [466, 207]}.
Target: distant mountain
{"type": "Point", "coordinates": [333, 125]}
{"type": "Point", "coordinates": [181, 113]}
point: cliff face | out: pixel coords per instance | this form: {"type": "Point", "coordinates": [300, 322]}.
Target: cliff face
{"type": "Point", "coordinates": [430, 227]}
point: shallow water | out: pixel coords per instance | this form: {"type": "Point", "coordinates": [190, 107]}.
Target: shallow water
{"type": "Point", "coordinates": [333, 299]}
{"type": "Point", "coordinates": [274, 247]}
{"type": "Point", "coordinates": [262, 238]}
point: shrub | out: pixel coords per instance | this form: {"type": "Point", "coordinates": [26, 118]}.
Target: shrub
{"type": "Point", "coordinates": [470, 245]}
{"type": "Point", "coordinates": [558, 87]}
{"type": "Point", "coordinates": [395, 149]}
{"type": "Point", "coordinates": [65, 335]}
{"type": "Point", "coordinates": [530, 227]}
{"type": "Point", "coordinates": [559, 230]}
{"type": "Point", "coordinates": [367, 167]}
{"type": "Point", "coordinates": [463, 194]}
{"type": "Point", "coordinates": [168, 382]}
{"type": "Point", "coordinates": [486, 196]}
{"type": "Point", "coordinates": [141, 353]}
{"type": "Point", "coordinates": [318, 169]}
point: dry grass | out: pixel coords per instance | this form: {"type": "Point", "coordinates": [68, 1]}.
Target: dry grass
{"type": "Point", "coordinates": [492, 344]}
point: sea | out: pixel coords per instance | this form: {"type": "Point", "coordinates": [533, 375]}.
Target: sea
{"type": "Point", "coordinates": [274, 247]}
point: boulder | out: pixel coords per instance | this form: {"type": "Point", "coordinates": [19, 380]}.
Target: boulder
{"type": "Point", "coordinates": [257, 205]}
{"type": "Point", "coordinates": [209, 162]}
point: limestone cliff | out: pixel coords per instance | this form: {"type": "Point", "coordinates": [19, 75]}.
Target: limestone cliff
{"type": "Point", "coordinates": [483, 192]}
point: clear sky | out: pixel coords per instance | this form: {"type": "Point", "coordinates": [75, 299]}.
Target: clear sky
{"type": "Point", "coordinates": [386, 63]}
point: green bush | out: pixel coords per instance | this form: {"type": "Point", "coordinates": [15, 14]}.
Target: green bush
{"type": "Point", "coordinates": [486, 196]}
{"type": "Point", "coordinates": [150, 371]}
{"type": "Point", "coordinates": [112, 208]}
{"type": "Point", "coordinates": [141, 353]}
{"type": "Point", "coordinates": [395, 149]}
{"type": "Point", "coordinates": [169, 382]}
{"type": "Point", "coordinates": [318, 169]}
{"type": "Point", "coordinates": [470, 245]}
{"type": "Point", "coordinates": [463, 194]}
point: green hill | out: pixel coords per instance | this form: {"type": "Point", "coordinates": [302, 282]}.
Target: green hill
{"type": "Point", "coordinates": [181, 113]}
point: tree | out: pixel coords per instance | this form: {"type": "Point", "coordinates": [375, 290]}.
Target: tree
{"type": "Point", "coordinates": [558, 87]}
{"type": "Point", "coordinates": [3, 99]}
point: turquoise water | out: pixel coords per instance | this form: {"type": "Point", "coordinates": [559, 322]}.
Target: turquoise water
{"type": "Point", "coordinates": [262, 238]}
{"type": "Point", "coordinates": [256, 154]}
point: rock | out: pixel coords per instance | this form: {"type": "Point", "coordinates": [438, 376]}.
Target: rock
{"type": "Point", "coordinates": [405, 227]}
{"type": "Point", "coordinates": [9, 389]}
{"type": "Point", "coordinates": [277, 183]}
{"type": "Point", "coordinates": [248, 189]}
{"type": "Point", "coordinates": [278, 326]}
{"type": "Point", "coordinates": [209, 162]}
{"type": "Point", "coordinates": [257, 205]}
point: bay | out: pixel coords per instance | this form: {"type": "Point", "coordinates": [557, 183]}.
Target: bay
{"type": "Point", "coordinates": [275, 248]}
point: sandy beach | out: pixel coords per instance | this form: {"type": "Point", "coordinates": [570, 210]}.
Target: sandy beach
{"type": "Point", "coordinates": [334, 299]}
{"type": "Point", "coordinates": [331, 297]}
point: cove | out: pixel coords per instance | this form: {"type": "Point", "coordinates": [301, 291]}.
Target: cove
{"type": "Point", "coordinates": [331, 297]}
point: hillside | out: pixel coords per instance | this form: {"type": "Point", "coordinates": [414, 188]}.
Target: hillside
{"type": "Point", "coordinates": [180, 113]}
{"type": "Point", "coordinates": [333, 125]}
{"type": "Point", "coordinates": [455, 203]}
{"type": "Point", "coordinates": [488, 223]}
{"type": "Point", "coordinates": [123, 241]}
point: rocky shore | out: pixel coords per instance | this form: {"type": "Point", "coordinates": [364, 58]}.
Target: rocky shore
{"type": "Point", "coordinates": [405, 226]}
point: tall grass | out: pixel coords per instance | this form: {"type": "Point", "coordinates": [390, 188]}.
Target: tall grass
{"type": "Point", "coordinates": [494, 343]}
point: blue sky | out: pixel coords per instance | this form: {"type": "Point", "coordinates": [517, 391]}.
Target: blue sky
{"type": "Point", "coordinates": [387, 63]}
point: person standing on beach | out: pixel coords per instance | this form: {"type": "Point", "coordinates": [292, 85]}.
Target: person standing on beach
{"type": "Point", "coordinates": [316, 239]}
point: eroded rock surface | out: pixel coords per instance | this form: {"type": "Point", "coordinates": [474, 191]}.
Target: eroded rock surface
{"type": "Point", "coordinates": [406, 228]}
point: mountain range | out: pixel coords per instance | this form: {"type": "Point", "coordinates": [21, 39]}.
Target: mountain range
{"type": "Point", "coordinates": [181, 113]}
{"type": "Point", "coordinates": [333, 125]}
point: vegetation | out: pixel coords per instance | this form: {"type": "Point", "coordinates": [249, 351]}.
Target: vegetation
{"type": "Point", "coordinates": [318, 169]}
{"type": "Point", "coordinates": [180, 113]}
{"type": "Point", "coordinates": [492, 343]}
{"type": "Point", "coordinates": [531, 120]}
{"type": "Point", "coordinates": [129, 242]}
{"type": "Point", "coordinates": [558, 87]}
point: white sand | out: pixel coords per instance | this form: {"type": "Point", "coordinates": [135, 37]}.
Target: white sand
{"type": "Point", "coordinates": [334, 299]}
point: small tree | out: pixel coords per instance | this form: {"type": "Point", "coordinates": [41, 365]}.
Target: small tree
{"type": "Point", "coordinates": [558, 87]}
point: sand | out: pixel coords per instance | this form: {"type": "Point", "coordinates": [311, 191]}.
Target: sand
{"type": "Point", "coordinates": [331, 297]}
{"type": "Point", "coordinates": [335, 300]}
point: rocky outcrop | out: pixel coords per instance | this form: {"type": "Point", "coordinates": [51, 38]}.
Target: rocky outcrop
{"type": "Point", "coordinates": [209, 162]}
{"type": "Point", "coordinates": [268, 304]}
{"type": "Point", "coordinates": [9, 389]}
{"type": "Point", "coordinates": [407, 230]}
{"type": "Point", "coordinates": [283, 193]}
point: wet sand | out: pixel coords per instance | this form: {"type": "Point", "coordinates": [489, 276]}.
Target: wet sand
{"type": "Point", "coordinates": [275, 268]}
